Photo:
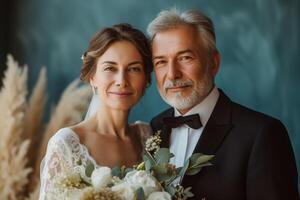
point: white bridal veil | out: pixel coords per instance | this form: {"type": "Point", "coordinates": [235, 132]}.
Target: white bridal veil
{"type": "Point", "coordinates": [93, 107]}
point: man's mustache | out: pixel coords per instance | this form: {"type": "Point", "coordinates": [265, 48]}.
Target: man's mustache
{"type": "Point", "coordinates": [176, 83]}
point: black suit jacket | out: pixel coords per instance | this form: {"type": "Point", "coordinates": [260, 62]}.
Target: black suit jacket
{"type": "Point", "coordinates": [253, 160]}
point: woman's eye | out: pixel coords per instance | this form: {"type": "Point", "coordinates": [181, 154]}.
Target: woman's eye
{"type": "Point", "coordinates": [109, 68]}
{"type": "Point", "coordinates": [135, 69]}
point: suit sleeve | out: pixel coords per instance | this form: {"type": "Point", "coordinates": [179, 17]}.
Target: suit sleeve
{"type": "Point", "coordinates": [272, 172]}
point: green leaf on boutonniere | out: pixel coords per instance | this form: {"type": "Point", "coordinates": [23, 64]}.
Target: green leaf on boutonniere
{"type": "Point", "coordinates": [163, 155]}
{"type": "Point", "coordinates": [89, 169]}
{"type": "Point", "coordinates": [170, 189]}
{"type": "Point", "coordinates": [197, 162]}
{"type": "Point", "coordinates": [140, 194]}
{"type": "Point", "coordinates": [184, 168]}
{"type": "Point", "coordinates": [164, 172]}
{"type": "Point", "coordinates": [187, 192]}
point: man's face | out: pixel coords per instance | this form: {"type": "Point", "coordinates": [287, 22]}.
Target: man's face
{"type": "Point", "coordinates": [184, 71]}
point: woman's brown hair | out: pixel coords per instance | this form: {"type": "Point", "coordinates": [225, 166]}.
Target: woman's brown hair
{"type": "Point", "coordinates": [103, 39]}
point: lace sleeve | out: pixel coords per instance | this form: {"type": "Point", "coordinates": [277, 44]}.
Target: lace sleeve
{"type": "Point", "coordinates": [56, 160]}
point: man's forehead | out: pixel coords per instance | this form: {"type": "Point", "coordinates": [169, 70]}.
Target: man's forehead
{"type": "Point", "coordinates": [175, 40]}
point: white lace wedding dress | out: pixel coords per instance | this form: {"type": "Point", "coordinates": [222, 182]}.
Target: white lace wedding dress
{"type": "Point", "coordinates": [64, 152]}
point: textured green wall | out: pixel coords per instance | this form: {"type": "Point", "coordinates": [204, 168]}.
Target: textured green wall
{"type": "Point", "coordinates": [258, 41]}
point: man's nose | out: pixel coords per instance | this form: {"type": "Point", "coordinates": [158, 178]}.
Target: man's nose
{"type": "Point", "coordinates": [173, 71]}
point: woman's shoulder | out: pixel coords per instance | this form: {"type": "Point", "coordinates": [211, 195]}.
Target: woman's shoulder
{"type": "Point", "coordinates": [64, 136]}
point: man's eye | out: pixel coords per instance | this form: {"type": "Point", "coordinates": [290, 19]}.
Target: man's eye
{"type": "Point", "coordinates": [159, 62]}
{"type": "Point", "coordinates": [185, 58]}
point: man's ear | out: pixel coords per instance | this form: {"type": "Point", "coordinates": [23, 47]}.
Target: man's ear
{"type": "Point", "coordinates": [216, 59]}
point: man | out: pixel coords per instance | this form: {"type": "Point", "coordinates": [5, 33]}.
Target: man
{"type": "Point", "coordinates": [253, 156]}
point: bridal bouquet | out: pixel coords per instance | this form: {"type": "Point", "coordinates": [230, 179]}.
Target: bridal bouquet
{"type": "Point", "coordinates": [151, 180]}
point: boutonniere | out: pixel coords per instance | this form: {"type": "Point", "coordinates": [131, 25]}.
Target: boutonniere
{"type": "Point", "coordinates": [157, 162]}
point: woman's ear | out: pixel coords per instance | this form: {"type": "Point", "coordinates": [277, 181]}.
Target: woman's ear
{"type": "Point", "coordinates": [92, 81]}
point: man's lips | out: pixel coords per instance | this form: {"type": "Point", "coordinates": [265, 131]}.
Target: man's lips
{"type": "Point", "coordinates": [177, 88]}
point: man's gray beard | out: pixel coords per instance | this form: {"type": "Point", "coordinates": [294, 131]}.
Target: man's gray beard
{"type": "Point", "coordinates": [200, 91]}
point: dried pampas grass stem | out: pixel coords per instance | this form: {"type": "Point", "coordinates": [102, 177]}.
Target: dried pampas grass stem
{"type": "Point", "coordinates": [13, 147]}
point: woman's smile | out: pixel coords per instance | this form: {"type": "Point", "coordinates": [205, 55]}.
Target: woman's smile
{"type": "Point", "coordinates": [121, 94]}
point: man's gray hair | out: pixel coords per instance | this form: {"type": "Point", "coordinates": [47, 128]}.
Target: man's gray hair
{"type": "Point", "coordinates": [170, 19]}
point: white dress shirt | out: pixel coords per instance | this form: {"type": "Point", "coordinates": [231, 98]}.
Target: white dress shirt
{"type": "Point", "coordinates": [183, 138]}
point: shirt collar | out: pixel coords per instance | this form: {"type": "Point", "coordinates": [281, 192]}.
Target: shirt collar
{"type": "Point", "coordinates": [204, 108]}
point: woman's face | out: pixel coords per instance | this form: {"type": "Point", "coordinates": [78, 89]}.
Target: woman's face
{"type": "Point", "coordinates": [120, 76]}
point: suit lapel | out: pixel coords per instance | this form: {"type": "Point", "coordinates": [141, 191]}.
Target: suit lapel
{"type": "Point", "coordinates": [217, 127]}
{"type": "Point", "coordinates": [215, 131]}
{"type": "Point", "coordinates": [166, 131]}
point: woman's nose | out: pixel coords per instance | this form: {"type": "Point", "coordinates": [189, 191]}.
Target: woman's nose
{"type": "Point", "coordinates": [121, 79]}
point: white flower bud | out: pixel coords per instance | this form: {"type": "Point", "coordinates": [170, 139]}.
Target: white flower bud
{"type": "Point", "coordinates": [159, 196]}
{"type": "Point", "coordinates": [101, 177]}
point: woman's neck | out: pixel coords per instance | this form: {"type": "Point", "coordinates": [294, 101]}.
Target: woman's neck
{"type": "Point", "coordinates": [111, 121]}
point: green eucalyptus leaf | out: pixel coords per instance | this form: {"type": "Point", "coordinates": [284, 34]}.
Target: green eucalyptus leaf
{"type": "Point", "coordinates": [184, 168]}
{"type": "Point", "coordinates": [148, 156]}
{"type": "Point", "coordinates": [162, 173]}
{"type": "Point", "coordinates": [193, 171]}
{"type": "Point", "coordinates": [163, 155]}
{"type": "Point", "coordinates": [116, 171]}
{"type": "Point", "coordinates": [195, 156]}
{"type": "Point", "coordinates": [149, 162]}
{"type": "Point", "coordinates": [89, 169]}
{"type": "Point", "coordinates": [199, 159]}
{"type": "Point", "coordinates": [203, 159]}
{"type": "Point", "coordinates": [148, 165]}
{"type": "Point", "coordinates": [197, 162]}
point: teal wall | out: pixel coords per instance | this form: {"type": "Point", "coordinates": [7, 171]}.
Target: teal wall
{"type": "Point", "coordinates": [258, 41]}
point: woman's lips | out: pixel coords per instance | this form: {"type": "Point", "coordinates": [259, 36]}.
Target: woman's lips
{"type": "Point", "coordinates": [121, 94]}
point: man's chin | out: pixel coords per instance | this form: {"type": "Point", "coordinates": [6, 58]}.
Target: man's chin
{"type": "Point", "coordinates": [180, 103]}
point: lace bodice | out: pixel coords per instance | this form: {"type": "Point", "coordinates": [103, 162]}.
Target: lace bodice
{"type": "Point", "coordinates": [65, 152]}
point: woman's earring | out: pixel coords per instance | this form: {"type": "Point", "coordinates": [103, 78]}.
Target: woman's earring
{"type": "Point", "coordinates": [94, 88]}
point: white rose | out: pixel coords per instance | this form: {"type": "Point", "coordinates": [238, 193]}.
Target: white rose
{"type": "Point", "coordinates": [159, 196]}
{"type": "Point", "coordinates": [142, 179]}
{"type": "Point", "coordinates": [101, 177]}
{"type": "Point", "coordinates": [124, 190]}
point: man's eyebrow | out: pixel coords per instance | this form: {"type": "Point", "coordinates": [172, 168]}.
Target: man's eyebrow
{"type": "Point", "coordinates": [178, 53]}
{"type": "Point", "coordinates": [185, 51]}
{"type": "Point", "coordinates": [157, 57]}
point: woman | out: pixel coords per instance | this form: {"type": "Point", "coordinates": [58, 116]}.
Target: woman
{"type": "Point", "coordinates": [118, 65]}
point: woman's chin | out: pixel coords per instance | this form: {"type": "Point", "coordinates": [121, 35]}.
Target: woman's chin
{"type": "Point", "coordinates": [122, 106]}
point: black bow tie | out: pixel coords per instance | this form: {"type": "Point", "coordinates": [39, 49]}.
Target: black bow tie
{"type": "Point", "coordinates": [192, 121]}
